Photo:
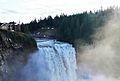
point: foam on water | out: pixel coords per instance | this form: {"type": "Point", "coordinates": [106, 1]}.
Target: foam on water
{"type": "Point", "coordinates": [55, 61]}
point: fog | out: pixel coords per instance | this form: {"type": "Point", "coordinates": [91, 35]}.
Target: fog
{"type": "Point", "coordinates": [101, 60]}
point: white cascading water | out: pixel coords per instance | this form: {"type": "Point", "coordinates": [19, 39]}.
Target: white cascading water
{"type": "Point", "coordinates": [55, 61]}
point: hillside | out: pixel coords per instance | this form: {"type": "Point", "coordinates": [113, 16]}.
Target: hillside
{"type": "Point", "coordinates": [14, 50]}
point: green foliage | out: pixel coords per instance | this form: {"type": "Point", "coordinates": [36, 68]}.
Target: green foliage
{"type": "Point", "coordinates": [24, 39]}
{"type": "Point", "coordinates": [73, 27]}
{"type": "Point", "coordinates": [18, 38]}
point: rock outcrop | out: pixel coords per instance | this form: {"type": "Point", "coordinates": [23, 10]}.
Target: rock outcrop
{"type": "Point", "coordinates": [15, 48]}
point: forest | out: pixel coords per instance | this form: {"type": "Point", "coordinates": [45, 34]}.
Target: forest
{"type": "Point", "coordinates": [72, 27]}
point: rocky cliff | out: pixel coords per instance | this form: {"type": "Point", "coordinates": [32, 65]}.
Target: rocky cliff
{"type": "Point", "coordinates": [15, 48]}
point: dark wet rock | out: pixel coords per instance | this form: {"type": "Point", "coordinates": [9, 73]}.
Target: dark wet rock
{"type": "Point", "coordinates": [15, 47]}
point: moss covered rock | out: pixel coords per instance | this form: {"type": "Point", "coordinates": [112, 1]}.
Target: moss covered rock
{"type": "Point", "coordinates": [16, 40]}
{"type": "Point", "coordinates": [15, 48]}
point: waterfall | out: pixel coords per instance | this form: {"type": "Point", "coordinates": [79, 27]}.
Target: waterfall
{"type": "Point", "coordinates": [54, 61]}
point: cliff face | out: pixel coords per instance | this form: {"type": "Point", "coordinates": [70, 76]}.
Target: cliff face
{"type": "Point", "coordinates": [15, 48]}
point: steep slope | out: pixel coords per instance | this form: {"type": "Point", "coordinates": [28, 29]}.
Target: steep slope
{"type": "Point", "coordinates": [15, 47]}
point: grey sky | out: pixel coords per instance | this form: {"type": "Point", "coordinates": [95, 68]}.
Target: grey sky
{"type": "Point", "coordinates": [27, 10]}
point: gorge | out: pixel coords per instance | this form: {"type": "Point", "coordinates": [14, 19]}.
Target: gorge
{"type": "Point", "coordinates": [59, 61]}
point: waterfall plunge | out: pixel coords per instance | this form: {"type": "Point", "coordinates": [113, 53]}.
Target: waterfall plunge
{"type": "Point", "coordinates": [55, 61]}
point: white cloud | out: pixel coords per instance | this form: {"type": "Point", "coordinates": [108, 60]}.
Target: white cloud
{"type": "Point", "coordinates": [30, 9]}
{"type": "Point", "coordinates": [3, 0]}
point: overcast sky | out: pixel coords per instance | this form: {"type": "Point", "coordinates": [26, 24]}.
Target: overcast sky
{"type": "Point", "coordinates": [27, 10]}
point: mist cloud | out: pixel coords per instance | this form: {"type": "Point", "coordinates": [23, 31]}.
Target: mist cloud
{"type": "Point", "coordinates": [101, 60]}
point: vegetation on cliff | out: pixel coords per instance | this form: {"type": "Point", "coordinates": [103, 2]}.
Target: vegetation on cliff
{"type": "Point", "coordinates": [16, 40]}
{"type": "Point", "coordinates": [15, 47]}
